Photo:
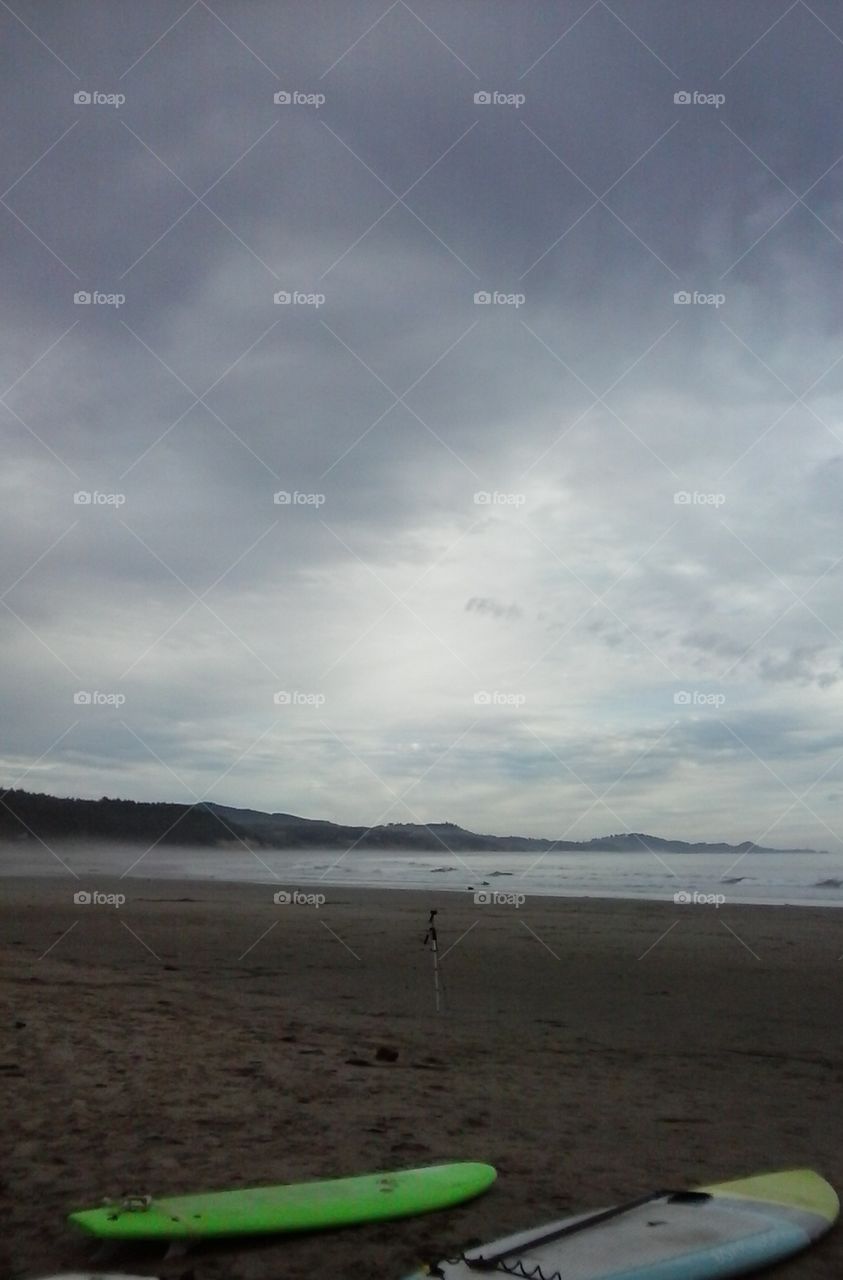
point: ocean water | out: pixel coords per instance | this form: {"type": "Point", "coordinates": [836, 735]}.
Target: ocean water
{"type": "Point", "coordinates": [809, 879]}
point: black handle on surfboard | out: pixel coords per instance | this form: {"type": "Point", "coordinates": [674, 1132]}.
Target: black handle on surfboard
{"type": "Point", "coordinates": [593, 1220]}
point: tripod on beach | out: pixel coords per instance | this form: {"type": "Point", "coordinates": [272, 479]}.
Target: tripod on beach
{"type": "Point", "coordinates": [432, 937]}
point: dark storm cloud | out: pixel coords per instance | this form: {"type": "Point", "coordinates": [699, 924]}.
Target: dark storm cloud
{"type": "Point", "coordinates": [283, 496]}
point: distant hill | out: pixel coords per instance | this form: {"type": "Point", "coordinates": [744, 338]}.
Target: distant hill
{"type": "Point", "coordinates": [28, 816]}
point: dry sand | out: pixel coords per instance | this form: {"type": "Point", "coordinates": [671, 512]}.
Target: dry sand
{"type": "Point", "coordinates": [201, 1037]}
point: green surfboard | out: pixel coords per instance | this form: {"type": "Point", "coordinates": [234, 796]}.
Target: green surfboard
{"type": "Point", "coordinates": [303, 1206]}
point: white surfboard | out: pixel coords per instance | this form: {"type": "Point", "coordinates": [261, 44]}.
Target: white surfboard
{"type": "Point", "coordinates": [712, 1233]}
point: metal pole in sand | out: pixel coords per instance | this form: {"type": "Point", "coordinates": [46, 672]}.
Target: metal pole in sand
{"type": "Point", "coordinates": [432, 938]}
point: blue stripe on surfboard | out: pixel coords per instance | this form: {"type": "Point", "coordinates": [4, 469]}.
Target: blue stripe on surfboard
{"type": "Point", "coordinates": [720, 1261]}
{"type": "Point", "coordinates": [716, 1262]}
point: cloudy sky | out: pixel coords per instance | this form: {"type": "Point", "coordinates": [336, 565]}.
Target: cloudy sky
{"type": "Point", "coordinates": [427, 411]}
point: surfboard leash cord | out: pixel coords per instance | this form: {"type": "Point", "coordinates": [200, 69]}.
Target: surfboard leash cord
{"type": "Point", "coordinates": [497, 1263]}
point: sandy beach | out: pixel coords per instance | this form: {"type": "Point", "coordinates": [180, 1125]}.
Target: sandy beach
{"type": "Point", "coordinates": [200, 1037]}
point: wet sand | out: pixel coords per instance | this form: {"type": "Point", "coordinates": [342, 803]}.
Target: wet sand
{"type": "Point", "coordinates": [202, 1037]}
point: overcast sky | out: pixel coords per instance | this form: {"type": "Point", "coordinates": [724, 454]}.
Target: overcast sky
{"type": "Point", "coordinates": [562, 562]}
